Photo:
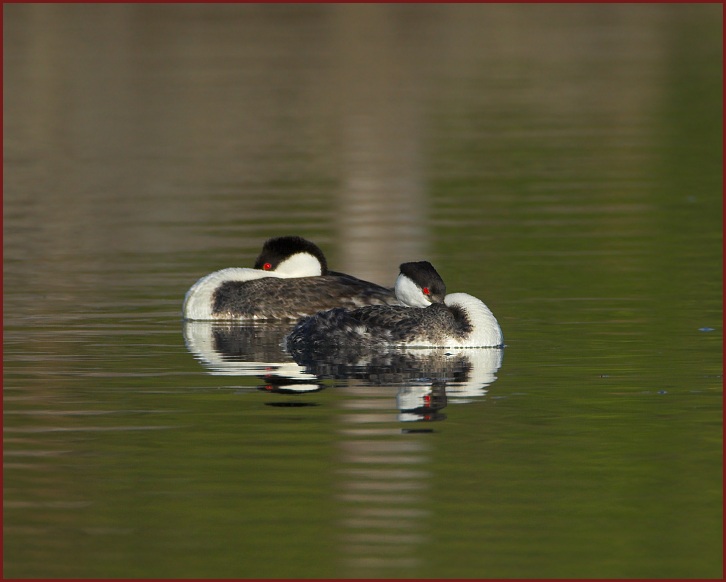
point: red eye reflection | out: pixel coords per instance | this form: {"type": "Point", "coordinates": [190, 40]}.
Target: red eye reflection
{"type": "Point", "coordinates": [426, 291]}
{"type": "Point", "coordinates": [267, 266]}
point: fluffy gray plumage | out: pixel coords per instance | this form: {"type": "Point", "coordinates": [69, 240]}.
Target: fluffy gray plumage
{"type": "Point", "coordinates": [273, 298]}
{"type": "Point", "coordinates": [372, 326]}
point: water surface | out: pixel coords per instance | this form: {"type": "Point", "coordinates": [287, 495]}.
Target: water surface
{"type": "Point", "coordinates": [562, 163]}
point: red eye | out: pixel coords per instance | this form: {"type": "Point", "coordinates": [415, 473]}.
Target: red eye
{"type": "Point", "coordinates": [426, 291]}
{"type": "Point", "coordinates": [267, 266]}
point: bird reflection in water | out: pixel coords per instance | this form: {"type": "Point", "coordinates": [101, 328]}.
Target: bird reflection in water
{"type": "Point", "coordinates": [249, 350]}
{"type": "Point", "coordinates": [427, 379]}
{"type": "Point", "coordinates": [381, 469]}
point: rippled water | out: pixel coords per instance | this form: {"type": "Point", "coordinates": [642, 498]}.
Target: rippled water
{"type": "Point", "coordinates": [562, 163]}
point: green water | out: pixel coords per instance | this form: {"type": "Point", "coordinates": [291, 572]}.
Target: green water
{"type": "Point", "coordinates": [563, 163]}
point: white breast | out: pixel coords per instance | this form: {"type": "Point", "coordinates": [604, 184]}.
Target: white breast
{"type": "Point", "coordinates": [486, 331]}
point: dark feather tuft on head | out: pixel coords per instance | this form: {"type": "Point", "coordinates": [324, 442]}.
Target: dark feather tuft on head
{"type": "Point", "coordinates": [276, 250]}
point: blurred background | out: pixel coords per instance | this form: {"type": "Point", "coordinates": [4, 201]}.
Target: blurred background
{"type": "Point", "coordinates": [561, 162]}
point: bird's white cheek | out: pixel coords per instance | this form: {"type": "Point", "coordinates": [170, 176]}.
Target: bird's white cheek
{"type": "Point", "coordinates": [409, 293]}
{"type": "Point", "coordinates": [299, 265]}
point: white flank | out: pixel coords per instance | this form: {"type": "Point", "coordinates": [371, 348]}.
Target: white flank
{"type": "Point", "coordinates": [198, 300]}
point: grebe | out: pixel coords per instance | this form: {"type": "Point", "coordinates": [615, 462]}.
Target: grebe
{"type": "Point", "coordinates": [290, 279]}
{"type": "Point", "coordinates": [427, 318]}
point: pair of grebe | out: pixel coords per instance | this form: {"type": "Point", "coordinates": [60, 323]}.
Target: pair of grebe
{"type": "Point", "coordinates": [291, 280]}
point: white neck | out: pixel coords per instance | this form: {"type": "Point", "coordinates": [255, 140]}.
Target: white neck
{"type": "Point", "coordinates": [299, 265]}
{"type": "Point", "coordinates": [410, 294]}
{"type": "Point", "coordinates": [486, 332]}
